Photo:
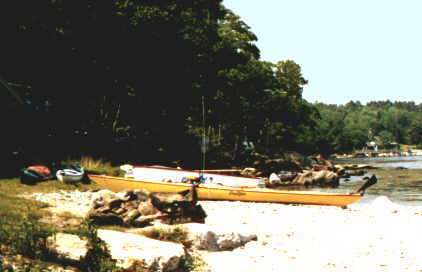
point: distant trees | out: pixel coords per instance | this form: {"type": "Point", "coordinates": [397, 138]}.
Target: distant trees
{"type": "Point", "coordinates": [348, 127]}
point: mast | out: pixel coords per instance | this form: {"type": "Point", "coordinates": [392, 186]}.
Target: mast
{"type": "Point", "coordinates": [203, 147]}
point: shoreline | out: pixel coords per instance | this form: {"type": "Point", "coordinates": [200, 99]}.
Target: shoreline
{"type": "Point", "coordinates": [376, 236]}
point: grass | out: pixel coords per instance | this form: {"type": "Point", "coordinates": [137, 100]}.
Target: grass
{"type": "Point", "coordinates": [21, 230]}
{"type": "Point", "coordinates": [23, 235]}
{"type": "Point", "coordinates": [177, 234]}
{"type": "Point", "coordinates": [91, 164]}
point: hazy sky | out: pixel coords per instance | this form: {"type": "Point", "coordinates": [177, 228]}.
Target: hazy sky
{"type": "Point", "coordinates": [362, 50]}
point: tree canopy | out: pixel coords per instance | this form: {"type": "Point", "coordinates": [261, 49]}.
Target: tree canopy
{"type": "Point", "coordinates": [124, 80]}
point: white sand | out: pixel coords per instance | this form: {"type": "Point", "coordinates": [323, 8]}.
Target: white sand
{"type": "Point", "coordinates": [377, 236]}
{"type": "Point", "coordinates": [380, 236]}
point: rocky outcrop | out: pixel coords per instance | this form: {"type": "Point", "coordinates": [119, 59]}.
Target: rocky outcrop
{"type": "Point", "coordinates": [309, 178]}
{"type": "Point", "coordinates": [300, 171]}
{"type": "Point", "coordinates": [132, 252]}
{"type": "Point", "coordinates": [140, 208]}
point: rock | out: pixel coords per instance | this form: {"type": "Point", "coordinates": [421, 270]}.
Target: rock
{"type": "Point", "coordinates": [131, 215]}
{"type": "Point", "coordinates": [321, 178]}
{"type": "Point", "coordinates": [68, 246]}
{"type": "Point", "coordinates": [325, 177]}
{"type": "Point", "coordinates": [357, 172]}
{"type": "Point", "coordinates": [249, 172]}
{"type": "Point", "coordinates": [274, 179]}
{"type": "Point", "coordinates": [205, 237]}
{"type": "Point", "coordinates": [127, 206]}
{"type": "Point", "coordinates": [146, 208]}
{"type": "Point", "coordinates": [129, 250]}
{"type": "Point", "coordinates": [304, 178]}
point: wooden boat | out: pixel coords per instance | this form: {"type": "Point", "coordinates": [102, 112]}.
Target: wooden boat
{"type": "Point", "coordinates": [210, 191]}
{"type": "Point", "coordinates": [155, 173]}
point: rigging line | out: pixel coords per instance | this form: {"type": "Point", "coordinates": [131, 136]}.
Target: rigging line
{"type": "Point", "coordinates": [203, 135]}
{"type": "Point", "coordinates": [12, 91]}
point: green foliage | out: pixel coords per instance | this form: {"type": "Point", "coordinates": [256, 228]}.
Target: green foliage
{"type": "Point", "coordinates": [25, 235]}
{"type": "Point", "coordinates": [192, 263]}
{"type": "Point", "coordinates": [345, 128]}
{"type": "Point", "coordinates": [91, 164]}
{"type": "Point", "coordinates": [176, 234]}
{"type": "Point", "coordinates": [98, 258]}
{"type": "Point", "coordinates": [181, 51]}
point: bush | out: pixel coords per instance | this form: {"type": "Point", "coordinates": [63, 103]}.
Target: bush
{"type": "Point", "coordinates": [98, 257]}
{"type": "Point", "coordinates": [177, 234]}
{"type": "Point", "coordinates": [192, 263]}
{"type": "Point", "coordinates": [25, 236]}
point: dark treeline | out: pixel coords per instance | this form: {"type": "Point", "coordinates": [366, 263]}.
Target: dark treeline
{"type": "Point", "coordinates": [124, 80]}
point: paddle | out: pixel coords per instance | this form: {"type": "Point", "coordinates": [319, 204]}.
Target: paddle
{"type": "Point", "coordinates": [369, 182]}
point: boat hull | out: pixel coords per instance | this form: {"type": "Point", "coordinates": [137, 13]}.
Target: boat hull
{"type": "Point", "coordinates": [69, 176]}
{"type": "Point", "coordinates": [152, 173]}
{"type": "Point", "coordinates": [218, 192]}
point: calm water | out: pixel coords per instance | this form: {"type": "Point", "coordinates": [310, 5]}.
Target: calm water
{"type": "Point", "coordinates": [398, 191]}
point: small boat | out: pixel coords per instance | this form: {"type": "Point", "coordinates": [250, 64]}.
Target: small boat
{"type": "Point", "coordinates": [154, 173]}
{"type": "Point", "coordinates": [70, 175]}
{"type": "Point", "coordinates": [212, 191]}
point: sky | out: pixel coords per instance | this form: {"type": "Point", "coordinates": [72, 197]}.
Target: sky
{"type": "Point", "coordinates": [349, 50]}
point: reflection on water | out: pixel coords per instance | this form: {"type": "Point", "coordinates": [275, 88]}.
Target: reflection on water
{"type": "Point", "coordinates": [398, 190]}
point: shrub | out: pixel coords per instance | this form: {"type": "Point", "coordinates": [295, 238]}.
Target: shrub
{"type": "Point", "coordinates": [25, 236]}
{"type": "Point", "coordinates": [98, 257]}
{"type": "Point", "coordinates": [192, 263]}
{"type": "Point", "coordinates": [176, 234]}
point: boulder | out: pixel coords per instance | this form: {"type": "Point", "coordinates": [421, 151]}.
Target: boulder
{"type": "Point", "coordinates": [274, 179]}
{"type": "Point", "coordinates": [140, 208]}
{"type": "Point", "coordinates": [304, 178]}
{"type": "Point", "coordinates": [68, 246]}
{"type": "Point", "coordinates": [204, 237]}
{"type": "Point", "coordinates": [325, 177]}
{"type": "Point", "coordinates": [312, 178]}
{"type": "Point", "coordinates": [132, 252]}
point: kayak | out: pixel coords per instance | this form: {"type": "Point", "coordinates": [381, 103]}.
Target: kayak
{"type": "Point", "coordinates": [213, 191]}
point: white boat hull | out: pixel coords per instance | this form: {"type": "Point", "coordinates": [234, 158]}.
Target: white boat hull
{"type": "Point", "coordinates": [69, 176]}
{"type": "Point", "coordinates": [152, 173]}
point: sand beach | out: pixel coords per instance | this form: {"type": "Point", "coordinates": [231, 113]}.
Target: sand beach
{"type": "Point", "coordinates": [370, 236]}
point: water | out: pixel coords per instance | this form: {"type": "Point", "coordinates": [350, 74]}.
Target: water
{"type": "Point", "coordinates": [399, 179]}
{"type": "Point", "coordinates": [396, 185]}
{"type": "Point", "coordinates": [409, 162]}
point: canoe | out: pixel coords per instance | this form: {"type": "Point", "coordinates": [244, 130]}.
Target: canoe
{"type": "Point", "coordinates": [155, 173]}
{"type": "Point", "coordinates": [210, 191]}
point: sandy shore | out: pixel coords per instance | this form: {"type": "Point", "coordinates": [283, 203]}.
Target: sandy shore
{"type": "Point", "coordinates": [379, 236]}
{"type": "Point", "coordinates": [376, 236]}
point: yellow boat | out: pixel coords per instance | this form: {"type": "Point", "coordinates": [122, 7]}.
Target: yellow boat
{"type": "Point", "coordinates": [210, 191]}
